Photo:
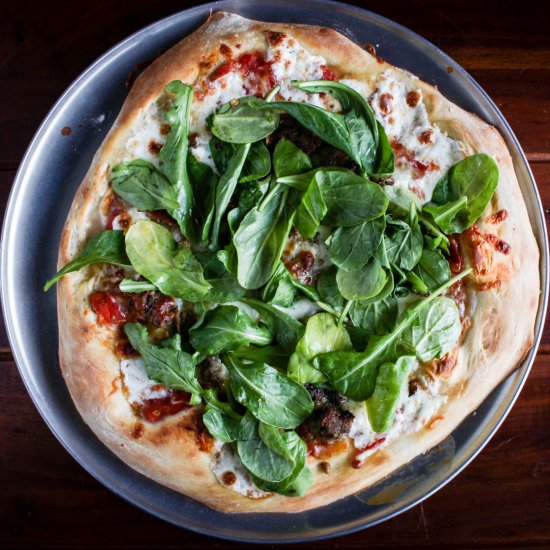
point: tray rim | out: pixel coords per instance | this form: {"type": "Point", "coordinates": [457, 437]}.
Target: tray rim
{"type": "Point", "coordinates": [110, 56]}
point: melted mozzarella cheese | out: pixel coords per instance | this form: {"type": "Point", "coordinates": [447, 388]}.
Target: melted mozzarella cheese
{"type": "Point", "coordinates": [413, 413]}
{"type": "Point", "coordinates": [138, 385]}
{"type": "Point", "coordinates": [134, 214]}
{"type": "Point", "coordinates": [145, 130]}
{"type": "Point", "coordinates": [225, 460]}
{"type": "Point", "coordinates": [409, 127]}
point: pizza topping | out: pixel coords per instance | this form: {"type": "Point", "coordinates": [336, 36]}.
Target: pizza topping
{"type": "Point", "coordinates": [212, 373]}
{"type": "Point", "coordinates": [226, 465]}
{"type": "Point", "coordinates": [107, 309]}
{"type": "Point", "coordinates": [155, 409]}
{"type": "Point", "coordinates": [498, 217]}
{"type": "Point", "coordinates": [412, 98]}
{"type": "Point", "coordinates": [385, 103]}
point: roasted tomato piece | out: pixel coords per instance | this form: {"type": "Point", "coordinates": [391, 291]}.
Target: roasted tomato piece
{"type": "Point", "coordinates": [107, 309]}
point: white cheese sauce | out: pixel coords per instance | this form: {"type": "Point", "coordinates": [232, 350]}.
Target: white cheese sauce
{"type": "Point", "coordinates": [413, 413]}
{"type": "Point", "coordinates": [145, 131]}
{"type": "Point", "coordinates": [225, 462]}
{"type": "Point", "coordinates": [139, 387]}
{"type": "Point", "coordinates": [413, 138]}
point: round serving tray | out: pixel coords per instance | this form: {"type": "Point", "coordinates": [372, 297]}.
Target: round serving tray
{"type": "Point", "coordinates": [50, 173]}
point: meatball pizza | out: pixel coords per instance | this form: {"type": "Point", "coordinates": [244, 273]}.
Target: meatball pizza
{"type": "Point", "coordinates": [290, 269]}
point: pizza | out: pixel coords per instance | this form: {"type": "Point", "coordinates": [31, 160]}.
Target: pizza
{"type": "Point", "coordinates": [290, 269]}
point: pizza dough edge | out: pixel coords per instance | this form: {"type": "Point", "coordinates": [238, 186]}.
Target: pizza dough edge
{"type": "Point", "coordinates": [168, 453]}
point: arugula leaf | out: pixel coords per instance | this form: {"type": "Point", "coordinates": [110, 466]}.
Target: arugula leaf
{"type": "Point", "coordinates": [350, 199]}
{"type": "Point", "coordinates": [260, 241]}
{"type": "Point", "coordinates": [107, 246]}
{"type": "Point", "coordinates": [435, 330]}
{"type": "Point", "coordinates": [321, 336]}
{"type": "Point", "coordinates": [222, 426]}
{"type": "Point", "coordinates": [170, 267]}
{"type": "Point", "coordinates": [363, 283]}
{"type": "Point", "coordinates": [390, 385]}
{"type": "Point", "coordinates": [140, 184]}
{"type": "Point", "coordinates": [173, 155]}
{"type": "Point", "coordinates": [270, 396]}
{"type": "Point", "coordinates": [227, 328]}
{"type": "Point", "coordinates": [289, 160]}
{"type": "Point", "coordinates": [286, 330]}
{"type": "Point", "coordinates": [242, 121]}
{"type": "Point", "coordinates": [353, 373]}
{"type": "Point", "coordinates": [352, 247]}
{"type": "Point", "coordinates": [172, 367]}
{"type": "Point", "coordinates": [474, 178]}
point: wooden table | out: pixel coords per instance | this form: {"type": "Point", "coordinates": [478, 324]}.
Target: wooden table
{"type": "Point", "coordinates": [501, 500]}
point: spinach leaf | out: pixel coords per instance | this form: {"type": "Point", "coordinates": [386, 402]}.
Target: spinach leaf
{"type": "Point", "coordinates": [352, 247]}
{"type": "Point", "coordinates": [258, 163]}
{"type": "Point", "coordinates": [384, 161]}
{"type": "Point", "coordinates": [224, 285]}
{"type": "Point", "coordinates": [290, 445]}
{"type": "Point", "coordinates": [170, 267]}
{"type": "Point", "coordinates": [221, 426]}
{"type": "Point", "coordinates": [107, 246]}
{"type": "Point", "coordinates": [225, 188]}
{"type": "Point", "coordinates": [350, 199]}
{"type": "Point", "coordinates": [286, 330]}
{"type": "Point", "coordinates": [289, 160]}
{"type": "Point", "coordinates": [227, 328]}
{"type": "Point", "coordinates": [352, 373]}
{"type": "Point", "coordinates": [390, 385]}
{"type": "Point", "coordinates": [311, 211]}
{"type": "Point", "coordinates": [274, 356]}
{"type": "Point", "coordinates": [129, 285]}
{"type": "Point", "coordinates": [328, 288]}
{"type": "Point", "coordinates": [376, 318]}
{"type": "Point", "coordinates": [475, 178]}
{"type": "Point", "coordinates": [172, 367]}
{"type": "Point", "coordinates": [203, 182]}
{"type": "Point", "coordinates": [330, 127]}
{"type": "Point", "coordinates": [270, 396]}
{"type": "Point", "coordinates": [367, 136]}
{"type": "Point", "coordinates": [363, 283]}
{"type": "Point", "coordinates": [140, 184]}
{"type": "Point", "coordinates": [279, 290]}
{"type": "Point", "coordinates": [403, 244]}
{"type": "Point", "coordinates": [432, 269]}
{"type": "Point", "coordinates": [322, 335]}
{"type": "Point", "coordinates": [242, 121]}
{"type": "Point", "coordinates": [434, 331]}
{"type": "Point", "coordinates": [173, 155]}
{"type": "Point", "coordinates": [259, 459]}
{"type": "Point", "coordinates": [260, 241]}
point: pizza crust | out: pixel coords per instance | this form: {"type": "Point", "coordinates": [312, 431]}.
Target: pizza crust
{"type": "Point", "coordinates": [502, 326]}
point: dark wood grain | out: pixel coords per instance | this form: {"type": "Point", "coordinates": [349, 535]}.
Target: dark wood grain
{"type": "Point", "coordinates": [502, 500]}
{"type": "Point", "coordinates": [51, 501]}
